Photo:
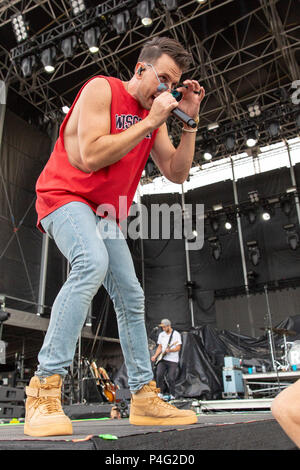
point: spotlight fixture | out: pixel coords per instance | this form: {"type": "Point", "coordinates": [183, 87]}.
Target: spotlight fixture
{"type": "Point", "coordinates": [143, 11]}
{"type": "Point", "coordinates": [48, 57]}
{"type": "Point", "coordinates": [292, 236]}
{"type": "Point", "coordinates": [214, 223]}
{"type": "Point", "coordinates": [27, 65]}
{"type": "Point", "coordinates": [266, 215]}
{"type": "Point", "coordinates": [120, 21]}
{"type": "Point", "coordinates": [170, 4]}
{"type": "Point", "coordinates": [254, 110]}
{"type": "Point", "coordinates": [251, 138]}
{"type": "Point", "coordinates": [286, 205]}
{"type": "Point", "coordinates": [216, 248]}
{"type": "Point", "coordinates": [253, 252]}
{"type": "Point", "coordinates": [20, 28]}
{"type": "Point", "coordinates": [68, 45]}
{"type": "Point", "coordinates": [252, 276]}
{"type": "Point", "coordinates": [209, 149]}
{"type": "Point", "coordinates": [78, 6]}
{"type": "Point", "coordinates": [90, 38]}
{"type": "Point", "coordinates": [65, 109]}
{"type": "Point", "coordinates": [228, 225]}
{"type": "Point", "coordinates": [230, 142]}
{"type": "Point", "coordinates": [213, 126]}
{"type": "Point", "coordinates": [273, 128]}
{"type": "Point", "coordinates": [251, 216]}
{"type": "Point", "coordinates": [253, 196]}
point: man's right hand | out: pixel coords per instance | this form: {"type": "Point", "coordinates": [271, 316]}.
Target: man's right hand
{"type": "Point", "coordinates": [161, 109]}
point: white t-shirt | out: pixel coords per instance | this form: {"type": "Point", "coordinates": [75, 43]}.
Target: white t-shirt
{"type": "Point", "coordinates": [163, 339]}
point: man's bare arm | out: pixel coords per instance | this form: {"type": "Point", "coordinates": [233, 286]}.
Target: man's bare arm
{"type": "Point", "coordinates": [99, 148]}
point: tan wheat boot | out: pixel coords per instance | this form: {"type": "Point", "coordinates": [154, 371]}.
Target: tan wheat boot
{"type": "Point", "coordinates": [147, 409]}
{"type": "Point", "coordinates": [43, 412]}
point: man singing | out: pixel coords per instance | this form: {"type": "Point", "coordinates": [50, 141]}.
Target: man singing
{"type": "Point", "coordinates": [102, 148]}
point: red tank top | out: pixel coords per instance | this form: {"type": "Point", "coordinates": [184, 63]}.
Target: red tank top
{"type": "Point", "coordinates": [60, 182]}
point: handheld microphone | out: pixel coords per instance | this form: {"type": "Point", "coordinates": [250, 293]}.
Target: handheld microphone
{"type": "Point", "coordinates": [177, 112]}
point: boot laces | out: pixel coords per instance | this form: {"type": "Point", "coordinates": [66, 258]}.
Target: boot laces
{"type": "Point", "coordinates": [159, 400]}
{"type": "Point", "coordinates": [52, 405]}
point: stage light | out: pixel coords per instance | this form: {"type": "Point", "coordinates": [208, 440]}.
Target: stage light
{"type": "Point", "coordinates": [252, 276]}
{"type": "Point", "coordinates": [216, 248]}
{"type": "Point", "coordinates": [253, 252]}
{"type": "Point", "coordinates": [266, 215]}
{"type": "Point", "coordinates": [214, 223]}
{"type": "Point", "coordinates": [251, 138]}
{"type": "Point", "coordinates": [213, 126]}
{"type": "Point", "coordinates": [170, 4]}
{"type": "Point", "coordinates": [20, 28]}
{"type": "Point", "coordinates": [68, 46]}
{"type": "Point", "coordinates": [209, 149]}
{"type": "Point", "coordinates": [292, 236]}
{"type": "Point", "coordinates": [273, 128]}
{"type": "Point", "coordinates": [143, 11]}
{"type": "Point", "coordinates": [254, 110]}
{"type": "Point", "coordinates": [251, 216]}
{"type": "Point", "coordinates": [65, 109]}
{"type": "Point", "coordinates": [230, 142]}
{"type": "Point", "coordinates": [78, 6]}
{"type": "Point", "coordinates": [253, 196]}
{"type": "Point", "coordinates": [228, 225]}
{"type": "Point", "coordinates": [48, 59]}
{"type": "Point", "coordinates": [27, 65]}
{"type": "Point", "coordinates": [90, 38]}
{"type": "Point", "coordinates": [120, 21]}
{"type": "Point", "coordinates": [286, 205]}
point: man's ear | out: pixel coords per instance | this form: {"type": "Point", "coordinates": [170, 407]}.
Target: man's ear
{"type": "Point", "coordinates": [140, 67]}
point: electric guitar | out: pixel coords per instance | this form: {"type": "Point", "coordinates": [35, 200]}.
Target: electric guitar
{"type": "Point", "coordinates": [162, 354]}
{"type": "Point", "coordinates": [107, 388]}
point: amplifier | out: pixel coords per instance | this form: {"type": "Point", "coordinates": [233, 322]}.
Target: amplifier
{"type": "Point", "coordinates": [11, 394]}
{"type": "Point", "coordinates": [11, 411]}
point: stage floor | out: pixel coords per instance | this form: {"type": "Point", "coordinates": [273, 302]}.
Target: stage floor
{"type": "Point", "coordinates": [213, 431]}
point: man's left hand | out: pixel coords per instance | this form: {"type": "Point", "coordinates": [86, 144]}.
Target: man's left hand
{"type": "Point", "coordinates": [191, 97]}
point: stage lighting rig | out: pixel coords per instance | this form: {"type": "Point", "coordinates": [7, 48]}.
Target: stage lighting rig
{"type": "Point", "coordinates": [286, 205]}
{"type": "Point", "coordinates": [291, 236]}
{"type": "Point", "coordinates": [216, 247]}
{"type": "Point", "coordinates": [253, 252]}
{"type": "Point", "coordinates": [209, 149]}
{"type": "Point", "coordinates": [28, 64]}
{"type": "Point", "coordinates": [48, 57]}
{"type": "Point", "coordinates": [170, 4]}
{"type": "Point", "coordinates": [78, 6]}
{"type": "Point", "coordinates": [91, 38]}
{"type": "Point", "coordinates": [273, 128]}
{"type": "Point", "coordinates": [251, 137]}
{"type": "Point", "coordinates": [20, 27]}
{"type": "Point", "coordinates": [144, 10]}
{"type": "Point", "coordinates": [68, 46]}
{"type": "Point", "coordinates": [230, 142]}
{"type": "Point", "coordinates": [254, 110]}
{"type": "Point", "coordinates": [120, 21]}
{"type": "Point", "coordinates": [253, 196]}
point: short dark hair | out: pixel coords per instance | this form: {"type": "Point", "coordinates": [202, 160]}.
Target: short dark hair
{"type": "Point", "coordinates": [158, 46]}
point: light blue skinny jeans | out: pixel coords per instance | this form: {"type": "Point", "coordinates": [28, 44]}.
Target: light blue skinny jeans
{"type": "Point", "coordinates": [98, 254]}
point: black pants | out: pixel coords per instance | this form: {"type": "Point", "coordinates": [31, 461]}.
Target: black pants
{"type": "Point", "coordinates": [171, 369]}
